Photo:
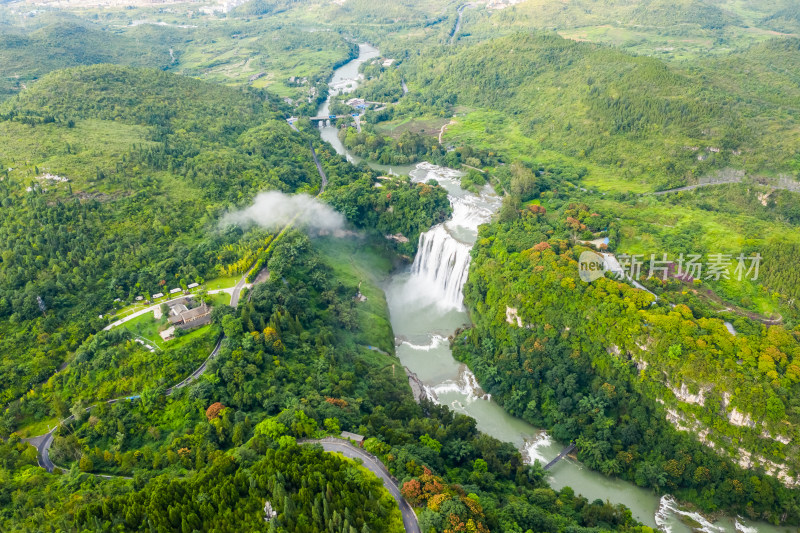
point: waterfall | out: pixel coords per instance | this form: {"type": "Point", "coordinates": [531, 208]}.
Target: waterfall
{"type": "Point", "coordinates": [441, 266]}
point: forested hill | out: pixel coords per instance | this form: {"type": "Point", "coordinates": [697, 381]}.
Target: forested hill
{"type": "Point", "coordinates": [766, 73]}
{"type": "Point", "coordinates": [652, 391]}
{"type": "Point", "coordinates": [603, 106]}
{"type": "Point", "coordinates": [65, 41]}
{"type": "Point", "coordinates": [145, 97]}
{"type": "Point", "coordinates": [153, 160]}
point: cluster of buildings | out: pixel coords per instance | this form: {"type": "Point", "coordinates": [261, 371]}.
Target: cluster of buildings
{"type": "Point", "coordinates": [184, 317]}
{"type": "Point", "coordinates": [176, 290]}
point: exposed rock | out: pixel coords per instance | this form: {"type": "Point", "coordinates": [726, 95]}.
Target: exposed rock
{"type": "Point", "coordinates": [399, 237]}
{"type": "Point", "coordinates": [744, 458]}
{"type": "Point", "coordinates": [740, 419]}
{"type": "Point", "coordinates": [512, 316]}
{"type": "Point", "coordinates": [417, 387]}
{"type": "Point", "coordinates": [779, 438]}
{"type": "Point", "coordinates": [702, 436]}
{"type": "Point", "coordinates": [747, 460]}
{"type": "Point", "coordinates": [684, 395]}
{"type": "Point", "coordinates": [269, 512]}
{"type": "Point", "coordinates": [677, 419]}
{"type": "Point", "coordinates": [734, 416]}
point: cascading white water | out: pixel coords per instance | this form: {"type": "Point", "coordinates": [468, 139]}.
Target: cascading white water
{"type": "Point", "coordinates": [668, 510]}
{"type": "Point", "coordinates": [442, 266]}
{"type": "Point", "coordinates": [531, 450]}
{"type": "Point", "coordinates": [466, 386]}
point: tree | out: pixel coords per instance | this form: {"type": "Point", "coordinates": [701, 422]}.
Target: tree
{"type": "Point", "coordinates": [213, 410]}
{"type": "Point", "coordinates": [86, 464]}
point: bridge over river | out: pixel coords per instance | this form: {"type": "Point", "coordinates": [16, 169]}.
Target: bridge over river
{"type": "Point", "coordinates": [560, 456]}
{"type": "Point", "coordinates": [325, 120]}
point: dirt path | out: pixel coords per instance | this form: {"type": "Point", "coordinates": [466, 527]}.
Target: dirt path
{"type": "Point", "coordinates": [444, 127]}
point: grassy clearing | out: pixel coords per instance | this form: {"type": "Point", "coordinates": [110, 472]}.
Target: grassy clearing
{"type": "Point", "coordinates": [654, 227]}
{"type": "Point", "coordinates": [128, 310]}
{"type": "Point", "coordinates": [221, 298]}
{"type": "Point", "coordinates": [430, 125]}
{"type": "Point", "coordinates": [75, 152]}
{"type": "Point", "coordinates": [493, 131]}
{"type": "Point", "coordinates": [225, 282]}
{"type": "Point", "coordinates": [29, 428]}
{"type": "Point", "coordinates": [355, 261]}
{"type": "Point", "coordinates": [147, 327]}
{"type": "Point", "coordinates": [192, 334]}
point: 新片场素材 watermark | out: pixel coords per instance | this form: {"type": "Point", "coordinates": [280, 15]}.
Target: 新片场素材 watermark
{"type": "Point", "coordinates": [686, 267]}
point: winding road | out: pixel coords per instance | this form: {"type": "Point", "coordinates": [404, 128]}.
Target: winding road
{"type": "Point", "coordinates": [372, 464]}
{"type": "Point", "coordinates": [785, 184]}
{"type": "Point", "coordinates": [42, 443]}
{"type": "Point", "coordinates": [197, 373]}
{"type": "Point", "coordinates": [322, 174]}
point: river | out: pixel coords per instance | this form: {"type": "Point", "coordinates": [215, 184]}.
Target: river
{"type": "Point", "coordinates": [425, 304]}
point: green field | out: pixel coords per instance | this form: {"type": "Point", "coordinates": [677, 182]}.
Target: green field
{"type": "Point", "coordinates": [363, 264]}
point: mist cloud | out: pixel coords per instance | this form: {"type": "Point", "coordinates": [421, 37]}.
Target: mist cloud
{"type": "Point", "coordinates": [274, 209]}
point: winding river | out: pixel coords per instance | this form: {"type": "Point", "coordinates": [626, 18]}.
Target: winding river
{"type": "Point", "coordinates": [425, 303]}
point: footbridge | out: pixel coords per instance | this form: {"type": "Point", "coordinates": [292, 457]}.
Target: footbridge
{"type": "Point", "coordinates": [560, 456]}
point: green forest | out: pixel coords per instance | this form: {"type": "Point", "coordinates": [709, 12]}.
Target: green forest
{"type": "Point", "coordinates": [618, 370]}
{"type": "Point", "coordinates": [132, 134]}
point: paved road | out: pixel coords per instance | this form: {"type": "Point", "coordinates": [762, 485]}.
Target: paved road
{"type": "Point", "coordinates": [132, 316]}
{"type": "Point", "coordinates": [319, 169]}
{"type": "Point", "coordinates": [150, 309]}
{"type": "Point", "coordinates": [200, 370]}
{"type": "Point", "coordinates": [376, 349]}
{"type": "Point", "coordinates": [42, 444]}
{"type": "Point", "coordinates": [699, 186]}
{"type": "Point", "coordinates": [377, 468]}
{"type": "Point", "coordinates": [237, 290]}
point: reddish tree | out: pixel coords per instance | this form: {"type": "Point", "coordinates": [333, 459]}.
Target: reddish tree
{"type": "Point", "coordinates": [338, 402]}
{"type": "Point", "coordinates": [213, 410]}
{"type": "Point", "coordinates": [411, 491]}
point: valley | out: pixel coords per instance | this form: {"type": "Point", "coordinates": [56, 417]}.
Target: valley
{"type": "Point", "coordinates": [381, 215]}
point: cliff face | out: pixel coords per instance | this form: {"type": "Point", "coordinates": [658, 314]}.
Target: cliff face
{"type": "Point", "coordinates": [749, 443]}
{"type": "Point", "coordinates": [728, 385]}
